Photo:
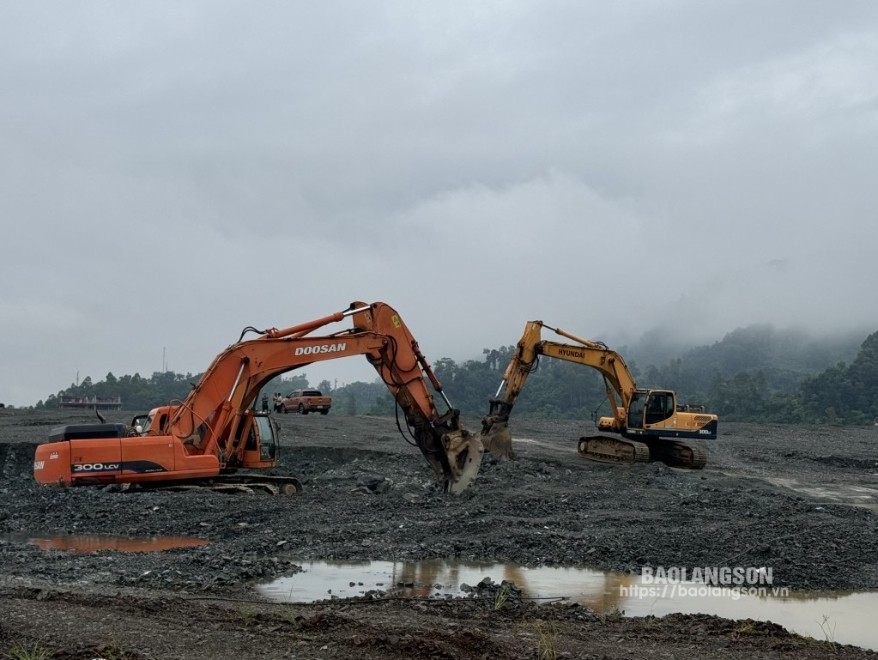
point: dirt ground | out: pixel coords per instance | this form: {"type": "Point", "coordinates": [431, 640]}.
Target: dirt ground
{"type": "Point", "coordinates": [800, 500]}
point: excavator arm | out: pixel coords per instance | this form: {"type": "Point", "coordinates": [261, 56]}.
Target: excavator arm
{"type": "Point", "coordinates": [208, 419]}
{"type": "Point", "coordinates": [618, 380]}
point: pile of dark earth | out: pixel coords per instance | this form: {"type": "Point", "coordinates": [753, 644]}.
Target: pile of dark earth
{"type": "Point", "coordinates": [798, 499]}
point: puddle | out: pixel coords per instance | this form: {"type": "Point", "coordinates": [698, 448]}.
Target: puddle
{"type": "Point", "coordinates": [95, 542]}
{"type": "Point", "coordinates": [846, 618]}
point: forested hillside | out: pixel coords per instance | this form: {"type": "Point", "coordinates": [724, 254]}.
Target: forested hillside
{"type": "Point", "coordinates": [753, 373]}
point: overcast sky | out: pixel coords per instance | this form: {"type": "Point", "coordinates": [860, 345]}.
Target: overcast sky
{"type": "Point", "coordinates": [173, 172]}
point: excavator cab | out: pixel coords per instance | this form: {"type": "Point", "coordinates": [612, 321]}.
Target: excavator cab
{"type": "Point", "coordinates": [262, 440]}
{"type": "Point", "coordinates": [648, 407]}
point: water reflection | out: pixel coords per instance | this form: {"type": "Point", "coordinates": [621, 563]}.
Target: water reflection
{"type": "Point", "coordinates": [847, 618]}
{"type": "Point", "coordinates": [96, 542]}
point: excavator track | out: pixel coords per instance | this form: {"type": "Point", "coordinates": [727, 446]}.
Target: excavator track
{"type": "Point", "coordinates": [605, 449]}
{"type": "Point", "coordinates": [233, 483]}
{"type": "Point", "coordinates": [674, 453]}
{"type": "Point", "coordinates": [677, 453]}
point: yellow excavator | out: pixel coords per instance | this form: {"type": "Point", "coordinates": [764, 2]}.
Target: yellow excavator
{"type": "Point", "coordinates": [648, 424]}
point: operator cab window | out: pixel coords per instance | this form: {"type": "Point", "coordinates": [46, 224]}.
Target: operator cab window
{"type": "Point", "coordinates": [141, 424]}
{"type": "Point", "coordinates": [659, 408]}
{"type": "Point", "coordinates": [266, 437]}
{"type": "Point", "coordinates": [635, 411]}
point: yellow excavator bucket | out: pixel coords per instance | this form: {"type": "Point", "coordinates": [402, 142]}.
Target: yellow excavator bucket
{"type": "Point", "coordinates": [497, 439]}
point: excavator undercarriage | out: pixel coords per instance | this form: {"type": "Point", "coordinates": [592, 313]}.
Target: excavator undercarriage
{"type": "Point", "coordinates": [229, 483]}
{"type": "Point", "coordinates": [675, 453]}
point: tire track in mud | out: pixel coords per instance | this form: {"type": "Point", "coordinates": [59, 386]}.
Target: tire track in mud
{"type": "Point", "coordinates": [823, 493]}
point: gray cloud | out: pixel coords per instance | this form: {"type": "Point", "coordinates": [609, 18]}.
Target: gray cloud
{"type": "Point", "coordinates": [171, 172]}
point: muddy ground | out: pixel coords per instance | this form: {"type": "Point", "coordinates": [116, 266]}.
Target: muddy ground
{"type": "Point", "coordinates": [799, 500]}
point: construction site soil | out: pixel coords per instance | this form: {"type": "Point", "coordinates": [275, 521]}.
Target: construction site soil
{"type": "Point", "coordinates": [798, 500]}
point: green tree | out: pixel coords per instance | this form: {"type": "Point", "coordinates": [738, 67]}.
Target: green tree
{"type": "Point", "coordinates": [845, 393]}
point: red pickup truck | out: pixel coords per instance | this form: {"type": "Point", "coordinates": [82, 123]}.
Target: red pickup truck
{"type": "Point", "coordinates": [305, 401]}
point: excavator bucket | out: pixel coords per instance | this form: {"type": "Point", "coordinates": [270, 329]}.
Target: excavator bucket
{"type": "Point", "coordinates": [464, 451]}
{"type": "Point", "coordinates": [497, 439]}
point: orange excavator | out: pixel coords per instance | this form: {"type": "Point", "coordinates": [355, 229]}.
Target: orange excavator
{"type": "Point", "coordinates": [217, 436]}
{"type": "Point", "coordinates": [648, 424]}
